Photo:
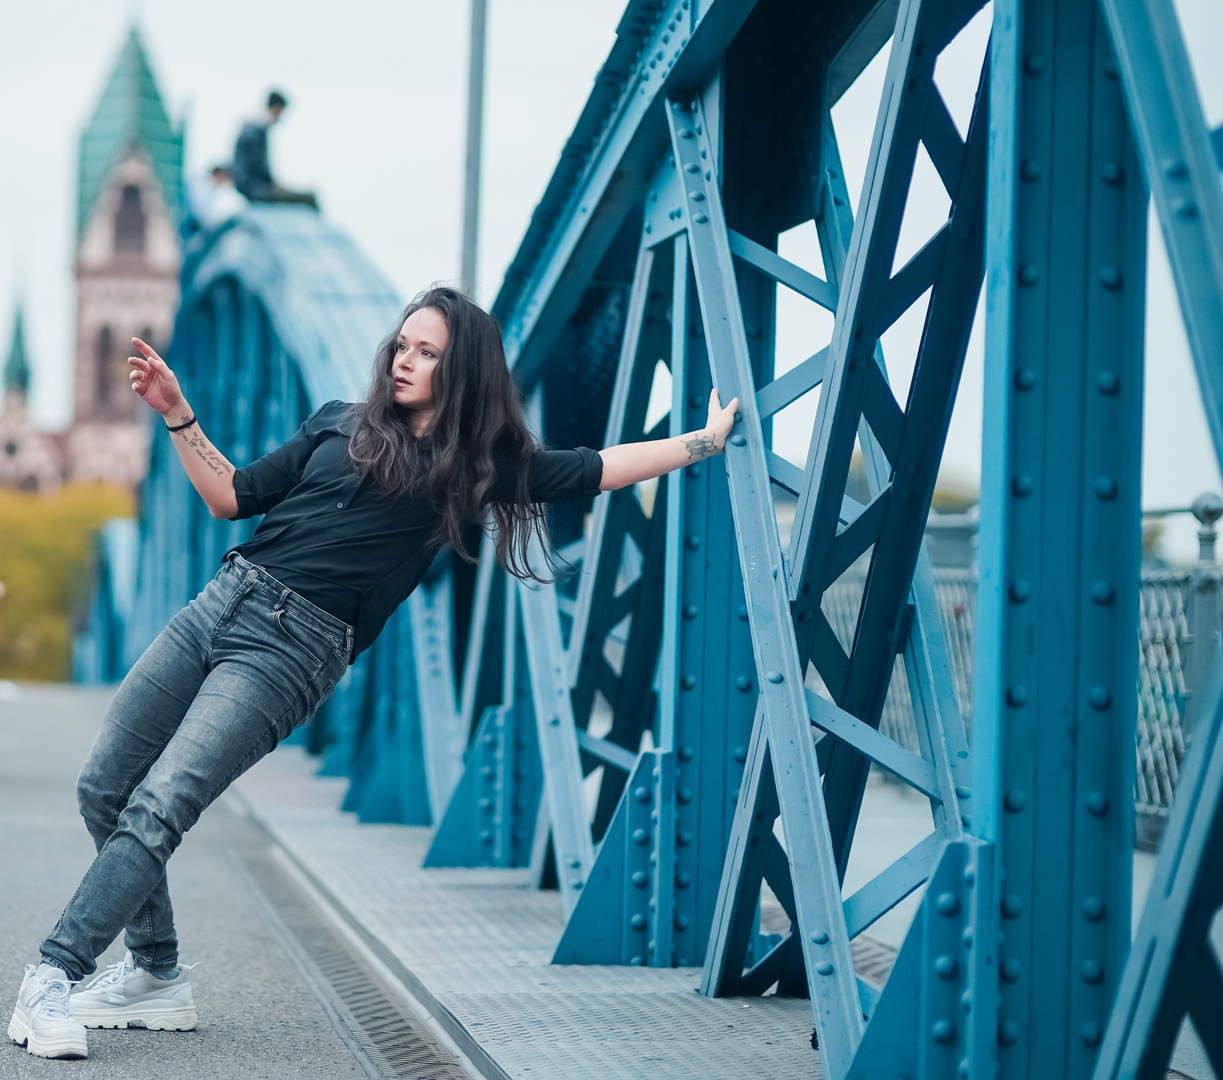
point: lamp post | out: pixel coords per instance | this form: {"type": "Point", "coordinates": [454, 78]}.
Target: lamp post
{"type": "Point", "coordinates": [475, 132]}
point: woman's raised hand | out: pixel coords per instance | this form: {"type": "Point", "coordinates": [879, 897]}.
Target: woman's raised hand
{"type": "Point", "coordinates": [721, 420]}
{"type": "Point", "coordinates": [153, 380]}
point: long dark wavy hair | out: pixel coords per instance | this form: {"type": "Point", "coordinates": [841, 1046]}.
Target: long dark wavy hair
{"type": "Point", "coordinates": [477, 430]}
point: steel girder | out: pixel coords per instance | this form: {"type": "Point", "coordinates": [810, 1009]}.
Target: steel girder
{"type": "Point", "coordinates": [1028, 863]}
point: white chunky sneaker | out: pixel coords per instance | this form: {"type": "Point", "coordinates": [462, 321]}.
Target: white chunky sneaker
{"type": "Point", "coordinates": [125, 995]}
{"type": "Point", "coordinates": [43, 1021]}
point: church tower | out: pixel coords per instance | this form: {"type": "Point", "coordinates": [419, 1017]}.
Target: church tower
{"type": "Point", "coordinates": [127, 262]}
{"type": "Point", "coordinates": [29, 459]}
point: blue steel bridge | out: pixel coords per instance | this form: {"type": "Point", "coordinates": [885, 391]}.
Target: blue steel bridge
{"type": "Point", "coordinates": [694, 715]}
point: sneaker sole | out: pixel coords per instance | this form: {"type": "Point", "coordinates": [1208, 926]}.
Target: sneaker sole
{"type": "Point", "coordinates": [155, 1016]}
{"type": "Point", "coordinates": [19, 1031]}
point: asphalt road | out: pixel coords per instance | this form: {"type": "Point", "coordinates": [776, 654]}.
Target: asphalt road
{"type": "Point", "coordinates": [257, 1016]}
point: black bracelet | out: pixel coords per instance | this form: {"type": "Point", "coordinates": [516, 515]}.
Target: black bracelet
{"type": "Point", "coordinates": [181, 427]}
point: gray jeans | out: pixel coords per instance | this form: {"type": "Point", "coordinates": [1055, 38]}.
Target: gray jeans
{"type": "Point", "coordinates": [231, 675]}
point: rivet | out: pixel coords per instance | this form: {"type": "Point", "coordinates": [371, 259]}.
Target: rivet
{"type": "Point", "coordinates": [1023, 485]}
{"type": "Point", "coordinates": [1110, 68]}
{"type": "Point", "coordinates": [1110, 277]}
{"type": "Point", "coordinates": [683, 879]}
{"type": "Point", "coordinates": [1033, 64]}
{"type": "Point", "coordinates": [682, 922]}
{"type": "Point", "coordinates": [700, 219]}
{"type": "Point", "coordinates": [1097, 803]}
{"type": "Point", "coordinates": [1028, 274]}
{"type": "Point", "coordinates": [1011, 969]}
{"type": "Point", "coordinates": [966, 1001]}
{"type": "Point", "coordinates": [637, 922]}
{"type": "Point", "coordinates": [636, 961]}
{"type": "Point", "coordinates": [970, 876]}
{"type": "Point", "coordinates": [738, 440]}
{"type": "Point", "coordinates": [943, 1032]}
{"type": "Point", "coordinates": [696, 196]}
{"type": "Point", "coordinates": [1030, 170]}
{"type": "Point", "coordinates": [1008, 1032]}
{"type": "Point", "coordinates": [1021, 591]}
{"type": "Point", "coordinates": [1025, 378]}
{"type": "Point", "coordinates": [948, 904]}
{"type": "Point", "coordinates": [1090, 1034]}
{"type": "Point", "coordinates": [743, 683]}
{"type": "Point", "coordinates": [686, 753]}
{"type": "Point", "coordinates": [1014, 801]}
{"type": "Point", "coordinates": [742, 612]}
{"type": "Point", "coordinates": [692, 541]}
{"type": "Point", "coordinates": [686, 133]}
{"type": "Point", "coordinates": [639, 878]}
{"type": "Point", "coordinates": [806, 615]}
{"type": "Point", "coordinates": [1094, 908]}
{"type": "Point", "coordinates": [1107, 382]}
{"type": "Point", "coordinates": [486, 771]}
{"type": "Point", "coordinates": [696, 401]}
{"type": "Point", "coordinates": [688, 682]}
{"type": "Point", "coordinates": [692, 168]}
{"type": "Point", "coordinates": [945, 967]}
{"type": "Point", "coordinates": [1185, 209]}
{"type": "Point", "coordinates": [577, 884]}
{"type": "Point", "coordinates": [486, 837]}
{"type": "Point", "coordinates": [963, 792]}
{"type": "Point", "coordinates": [966, 937]}
{"type": "Point", "coordinates": [1106, 487]}
{"type": "Point", "coordinates": [640, 836]}
{"type": "Point", "coordinates": [1017, 696]}
{"type": "Point", "coordinates": [691, 611]}
{"type": "Point", "coordinates": [641, 794]}
{"type": "Point", "coordinates": [825, 968]}
{"type": "Point", "coordinates": [485, 803]}
{"type": "Point", "coordinates": [683, 838]}
{"type": "Point", "coordinates": [774, 676]}
{"type": "Point", "coordinates": [1099, 697]}
{"type": "Point", "coordinates": [1012, 906]}
{"type": "Point", "coordinates": [1176, 170]}
{"type": "Point", "coordinates": [1091, 971]}
{"type": "Point", "coordinates": [820, 938]}
{"type": "Point", "coordinates": [685, 795]}
{"type": "Point", "coordinates": [1102, 592]}
{"type": "Point", "coordinates": [740, 754]}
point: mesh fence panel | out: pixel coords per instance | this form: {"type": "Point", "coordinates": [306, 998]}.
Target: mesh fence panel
{"type": "Point", "coordinates": [1163, 630]}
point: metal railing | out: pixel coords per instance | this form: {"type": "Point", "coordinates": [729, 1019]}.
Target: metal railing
{"type": "Point", "coordinates": [1179, 619]}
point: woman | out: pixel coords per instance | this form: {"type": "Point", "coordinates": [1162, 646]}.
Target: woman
{"type": "Point", "coordinates": [355, 506]}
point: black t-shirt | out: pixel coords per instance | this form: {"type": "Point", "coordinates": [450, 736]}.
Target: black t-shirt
{"type": "Point", "coordinates": [344, 546]}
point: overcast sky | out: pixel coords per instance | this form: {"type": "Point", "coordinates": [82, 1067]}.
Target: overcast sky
{"type": "Point", "coordinates": [376, 127]}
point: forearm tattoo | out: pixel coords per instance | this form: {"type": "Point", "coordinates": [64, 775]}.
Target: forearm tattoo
{"type": "Point", "coordinates": [699, 446]}
{"type": "Point", "coordinates": [204, 450]}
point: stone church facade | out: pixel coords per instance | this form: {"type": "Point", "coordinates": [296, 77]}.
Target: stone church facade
{"type": "Point", "coordinates": [127, 257]}
{"type": "Point", "coordinates": [126, 266]}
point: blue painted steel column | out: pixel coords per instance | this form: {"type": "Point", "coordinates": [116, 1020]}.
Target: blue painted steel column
{"type": "Point", "coordinates": [708, 669]}
{"type": "Point", "coordinates": [1059, 546]}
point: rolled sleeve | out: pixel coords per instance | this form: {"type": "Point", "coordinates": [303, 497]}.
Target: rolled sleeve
{"type": "Point", "coordinates": [557, 475]}
{"type": "Point", "coordinates": [263, 483]}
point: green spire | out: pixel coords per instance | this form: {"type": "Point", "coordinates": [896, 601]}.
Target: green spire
{"type": "Point", "coordinates": [130, 113]}
{"type": "Point", "coordinates": [17, 365]}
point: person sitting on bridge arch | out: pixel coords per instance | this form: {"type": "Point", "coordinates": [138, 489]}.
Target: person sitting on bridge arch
{"type": "Point", "coordinates": [356, 505]}
{"type": "Point", "coordinates": [251, 173]}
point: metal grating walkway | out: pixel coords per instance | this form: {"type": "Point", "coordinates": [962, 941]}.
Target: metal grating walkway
{"type": "Point", "coordinates": [474, 947]}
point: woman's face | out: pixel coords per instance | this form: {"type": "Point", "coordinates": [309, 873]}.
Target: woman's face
{"type": "Point", "coordinates": [422, 340]}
